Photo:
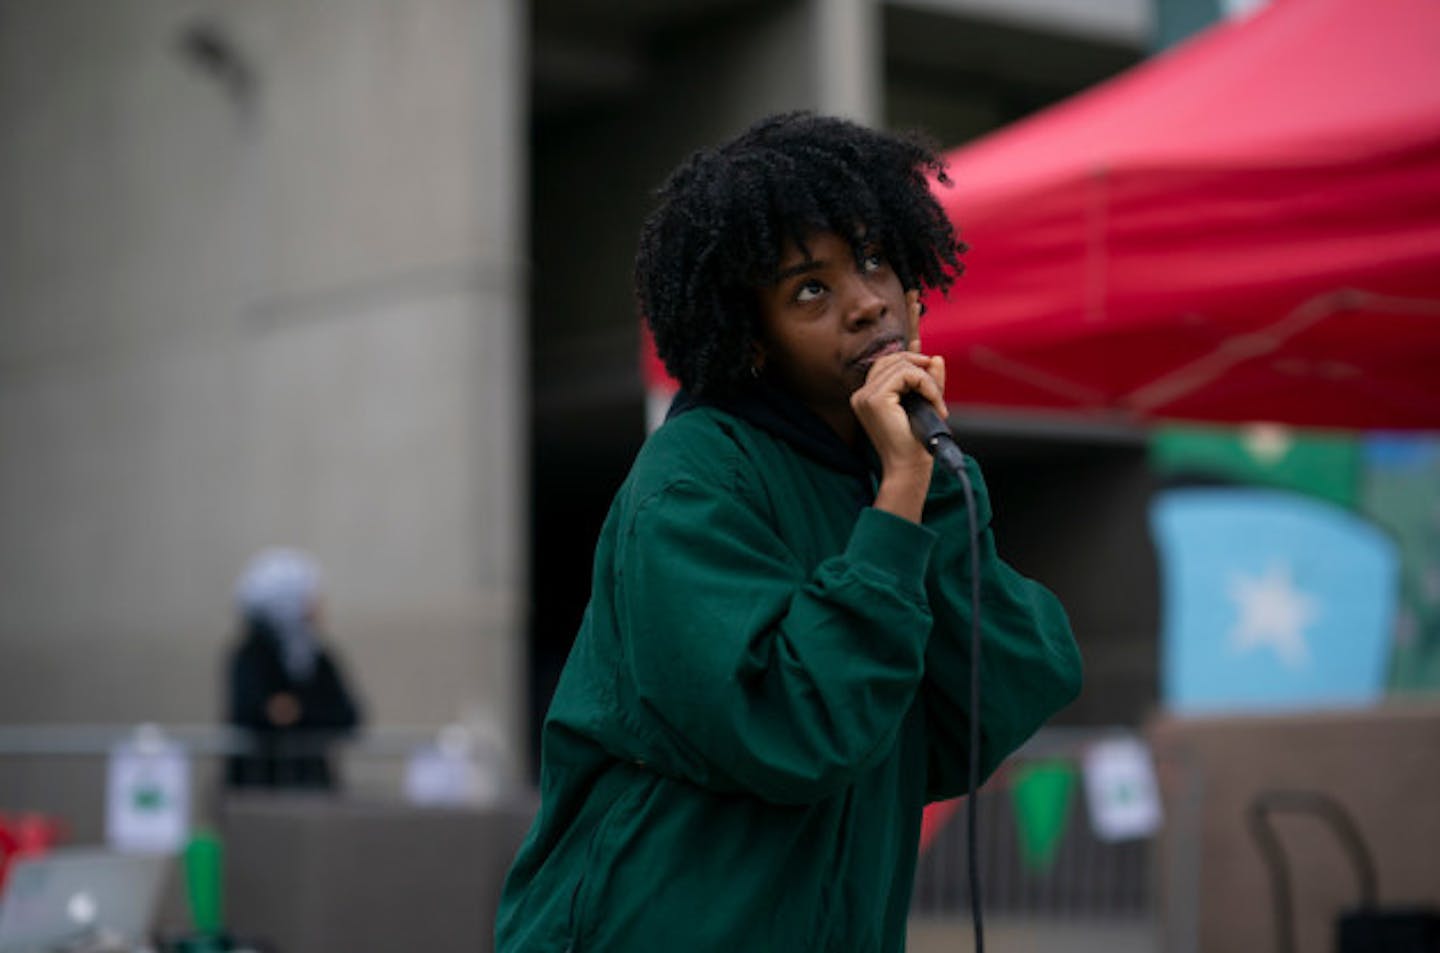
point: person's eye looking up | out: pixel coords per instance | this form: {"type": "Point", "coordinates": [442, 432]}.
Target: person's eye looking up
{"type": "Point", "coordinates": [809, 291]}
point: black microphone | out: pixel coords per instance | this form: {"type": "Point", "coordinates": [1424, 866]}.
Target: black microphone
{"type": "Point", "coordinates": [932, 432]}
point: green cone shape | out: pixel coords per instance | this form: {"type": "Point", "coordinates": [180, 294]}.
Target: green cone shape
{"type": "Point", "coordinates": [1040, 792]}
{"type": "Point", "coordinates": [203, 860]}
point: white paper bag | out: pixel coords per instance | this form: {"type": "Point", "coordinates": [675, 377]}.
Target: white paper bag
{"type": "Point", "coordinates": [148, 794]}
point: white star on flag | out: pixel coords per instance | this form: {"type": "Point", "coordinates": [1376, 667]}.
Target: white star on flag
{"type": "Point", "coordinates": [1273, 613]}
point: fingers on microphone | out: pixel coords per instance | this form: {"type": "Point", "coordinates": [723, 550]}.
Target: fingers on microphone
{"type": "Point", "coordinates": [930, 386]}
{"type": "Point", "coordinates": [910, 371]}
{"type": "Point", "coordinates": [910, 377]}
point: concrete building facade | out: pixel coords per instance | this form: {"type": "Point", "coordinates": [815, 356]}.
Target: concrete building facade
{"type": "Point", "coordinates": [356, 278]}
{"type": "Point", "coordinates": [262, 282]}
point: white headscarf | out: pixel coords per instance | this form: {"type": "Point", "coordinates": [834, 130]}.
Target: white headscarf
{"type": "Point", "coordinates": [280, 587]}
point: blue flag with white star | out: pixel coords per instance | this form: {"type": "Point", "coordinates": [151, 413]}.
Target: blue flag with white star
{"type": "Point", "coordinates": [1271, 601]}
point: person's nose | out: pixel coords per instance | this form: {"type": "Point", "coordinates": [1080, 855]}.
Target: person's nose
{"type": "Point", "coordinates": [863, 304]}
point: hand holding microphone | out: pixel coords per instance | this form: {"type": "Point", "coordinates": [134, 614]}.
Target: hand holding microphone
{"type": "Point", "coordinates": [902, 408]}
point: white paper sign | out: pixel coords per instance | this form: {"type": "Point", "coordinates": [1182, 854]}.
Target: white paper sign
{"type": "Point", "coordinates": [148, 796]}
{"type": "Point", "coordinates": [1120, 790]}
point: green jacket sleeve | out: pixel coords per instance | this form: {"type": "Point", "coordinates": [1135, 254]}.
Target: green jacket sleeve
{"type": "Point", "coordinates": [763, 677]}
{"type": "Point", "coordinates": [1029, 663]}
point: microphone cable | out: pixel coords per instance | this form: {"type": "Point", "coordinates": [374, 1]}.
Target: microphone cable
{"type": "Point", "coordinates": [971, 799]}
{"type": "Point", "coordinates": [936, 437]}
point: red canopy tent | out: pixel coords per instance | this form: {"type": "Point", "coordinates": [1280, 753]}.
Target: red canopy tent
{"type": "Point", "coordinates": [1244, 228]}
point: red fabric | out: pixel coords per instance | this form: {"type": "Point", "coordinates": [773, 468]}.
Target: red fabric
{"type": "Point", "coordinates": [656, 378]}
{"type": "Point", "coordinates": [26, 835]}
{"type": "Point", "coordinates": [1245, 228]}
{"type": "Point", "coordinates": [935, 818]}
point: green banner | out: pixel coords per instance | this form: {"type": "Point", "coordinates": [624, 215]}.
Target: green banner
{"type": "Point", "coordinates": [1324, 464]}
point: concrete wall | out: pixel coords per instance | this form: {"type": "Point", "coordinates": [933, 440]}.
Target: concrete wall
{"type": "Point", "coordinates": [277, 302]}
{"type": "Point", "coordinates": [961, 68]}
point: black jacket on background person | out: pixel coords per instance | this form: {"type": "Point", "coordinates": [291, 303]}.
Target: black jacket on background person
{"type": "Point", "coordinates": [294, 755]}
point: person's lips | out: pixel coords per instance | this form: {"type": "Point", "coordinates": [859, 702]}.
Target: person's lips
{"type": "Point", "coordinates": [888, 344]}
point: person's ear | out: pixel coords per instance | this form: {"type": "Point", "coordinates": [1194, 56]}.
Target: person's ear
{"type": "Point", "coordinates": [757, 359]}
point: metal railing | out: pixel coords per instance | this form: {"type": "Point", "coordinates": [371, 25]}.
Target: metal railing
{"type": "Point", "coordinates": [1148, 884]}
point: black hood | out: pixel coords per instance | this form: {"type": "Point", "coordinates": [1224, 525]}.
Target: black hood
{"type": "Point", "coordinates": [778, 413]}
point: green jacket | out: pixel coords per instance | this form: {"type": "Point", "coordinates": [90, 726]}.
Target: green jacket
{"type": "Point", "coordinates": [770, 682]}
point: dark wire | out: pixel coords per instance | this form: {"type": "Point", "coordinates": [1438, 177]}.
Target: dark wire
{"type": "Point", "coordinates": [971, 806]}
{"type": "Point", "coordinates": [936, 436]}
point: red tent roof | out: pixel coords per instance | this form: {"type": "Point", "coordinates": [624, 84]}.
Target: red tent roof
{"type": "Point", "coordinates": [1244, 228]}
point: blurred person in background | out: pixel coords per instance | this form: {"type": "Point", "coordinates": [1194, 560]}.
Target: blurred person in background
{"type": "Point", "coordinates": [284, 686]}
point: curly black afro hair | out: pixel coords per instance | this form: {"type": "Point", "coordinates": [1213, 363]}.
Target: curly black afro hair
{"type": "Point", "coordinates": [725, 213]}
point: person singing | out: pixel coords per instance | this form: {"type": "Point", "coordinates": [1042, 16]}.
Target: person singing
{"type": "Point", "coordinates": [771, 679]}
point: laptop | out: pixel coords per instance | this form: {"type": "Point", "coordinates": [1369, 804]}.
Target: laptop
{"type": "Point", "coordinates": [70, 893]}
